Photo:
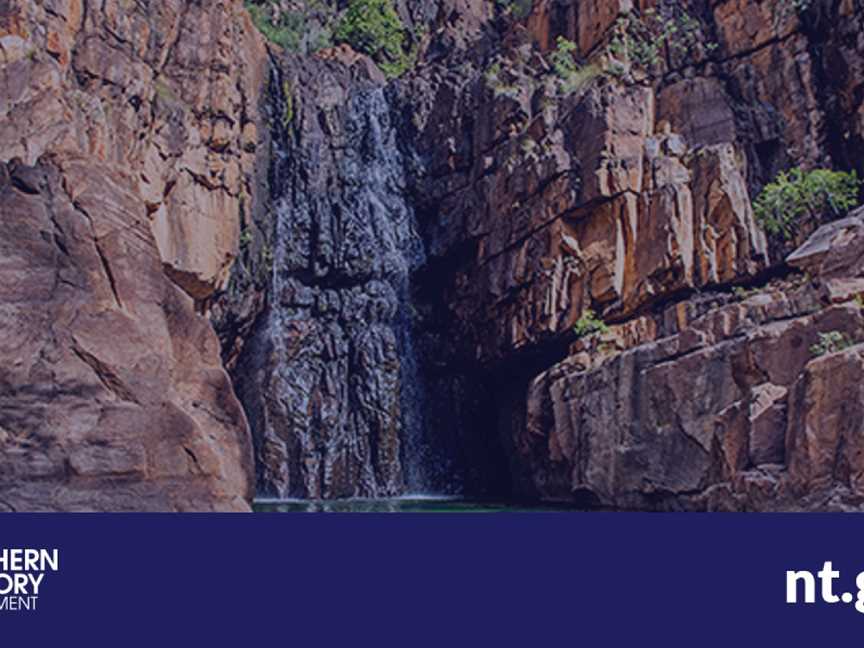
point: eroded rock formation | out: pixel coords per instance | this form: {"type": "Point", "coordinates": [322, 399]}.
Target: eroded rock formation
{"type": "Point", "coordinates": [127, 139]}
{"type": "Point", "coordinates": [726, 405]}
{"type": "Point", "coordinates": [398, 268]}
{"type": "Point", "coordinates": [630, 195]}
{"type": "Point", "coordinates": [324, 373]}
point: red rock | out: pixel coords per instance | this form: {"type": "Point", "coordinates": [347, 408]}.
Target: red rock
{"type": "Point", "coordinates": [113, 394]}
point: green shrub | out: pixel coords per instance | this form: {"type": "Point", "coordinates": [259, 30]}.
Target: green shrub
{"type": "Point", "coordinates": [562, 58]}
{"type": "Point", "coordinates": [492, 77]}
{"type": "Point", "coordinates": [742, 293]}
{"type": "Point", "coordinates": [374, 28]}
{"type": "Point", "coordinates": [302, 31]}
{"type": "Point", "coordinates": [798, 194]}
{"type": "Point", "coordinates": [589, 324]}
{"type": "Point", "coordinates": [491, 74]}
{"type": "Point", "coordinates": [831, 342]}
{"type": "Point", "coordinates": [287, 32]}
{"type": "Point", "coordinates": [572, 76]}
{"type": "Point", "coordinates": [641, 38]}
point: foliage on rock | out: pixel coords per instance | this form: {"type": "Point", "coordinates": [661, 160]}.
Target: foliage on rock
{"type": "Point", "coordinates": [797, 194]}
{"type": "Point", "coordinates": [374, 28]}
{"type": "Point", "coordinates": [831, 342]}
{"type": "Point", "coordinates": [518, 9]}
{"type": "Point", "coordinates": [572, 76]}
{"type": "Point", "coordinates": [642, 38]}
{"type": "Point", "coordinates": [304, 30]}
{"type": "Point", "coordinates": [589, 324]}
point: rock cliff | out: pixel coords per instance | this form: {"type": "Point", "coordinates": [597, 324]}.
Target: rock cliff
{"type": "Point", "coordinates": [528, 266]}
{"type": "Point", "coordinates": [127, 154]}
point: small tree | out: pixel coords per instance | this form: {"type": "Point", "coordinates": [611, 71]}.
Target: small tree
{"type": "Point", "coordinates": [589, 324]}
{"type": "Point", "coordinates": [374, 28]}
{"type": "Point", "coordinates": [796, 195]}
{"type": "Point", "coordinates": [572, 77]}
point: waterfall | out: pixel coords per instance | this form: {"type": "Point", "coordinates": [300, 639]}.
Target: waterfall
{"type": "Point", "coordinates": [338, 395]}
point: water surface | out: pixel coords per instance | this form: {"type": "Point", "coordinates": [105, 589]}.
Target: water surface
{"type": "Point", "coordinates": [407, 504]}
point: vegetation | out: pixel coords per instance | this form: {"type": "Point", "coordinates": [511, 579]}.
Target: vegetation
{"type": "Point", "coordinates": [492, 73]}
{"type": "Point", "coordinates": [265, 265]}
{"type": "Point", "coordinates": [831, 342]}
{"type": "Point", "coordinates": [798, 194]}
{"type": "Point", "coordinates": [641, 38]}
{"type": "Point", "coordinates": [296, 31]}
{"type": "Point", "coordinates": [286, 32]}
{"type": "Point", "coordinates": [742, 293]}
{"type": "Point", "coordinates": [374, 28]}
{"type": "Point", "coordinates": [288, 115]}
{"type": "Point", "coordinates": [572, 76]}
{"type": "Point", "coordinates": [562, 58]}
{"type": "Point", "coordinates": [493, 81]}
{"type": "Point", "coordinates": [569, 75]}
{"type": "Point", "coordinates": [519, 9]}
{"type": "Point", "coordinates": [589, 324]}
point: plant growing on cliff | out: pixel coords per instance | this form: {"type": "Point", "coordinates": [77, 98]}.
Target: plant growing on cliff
{"type": "Point", "coordinates": [641, 38]}
{"type": "Point", "coordinates": [245, 238]}
{"type": "Point", "coordinates": [831, 342]}
{"type": "Point", "coordinates": [374, 28]}
{"type": "Point", "coordinates": [288, 114]}
{"type": "Point", "coordinates": [589, 324]}
{"type": "Point", "coordinates": [571, 75]}
{"type": "Point", "coordinates": [742, 293]}
{"type": "Point", "coordinates": [519, 9]}
{"type": "Point", "coordinates": [304, 28]}
{"type": "Point", "coordinates": [492, 77]}
{"type": "Point", "coordinates": [799, 194]}
{"type": "Point", "coordinates": [286, 30]}
{"type": "Point", "coordinates": [562, 58]}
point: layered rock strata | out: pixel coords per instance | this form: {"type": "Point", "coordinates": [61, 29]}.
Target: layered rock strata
{"type": "Point", "coordinates": [402, 271]}
{"type": "Point", "coordinates": [727, 402]}
{"type": "Point", "coordinates": [127, 150]}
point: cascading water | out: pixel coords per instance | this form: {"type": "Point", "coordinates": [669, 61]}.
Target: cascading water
{"type": "Point", "coordinates": [336, 400]}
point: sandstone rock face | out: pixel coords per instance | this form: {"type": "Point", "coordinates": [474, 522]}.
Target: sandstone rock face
{"type": "Point", "coordinates": [623, 190]}
{"type": "Point", "coordinates": [127, 150]}
{"type": "Point", "coordinates": [731, 405]}
{"type": "Point", "coordinates": [629, 194]}
{"type": "Point", "coordinates": [112, 396]}
{"type": "Point", "coordinates": [574, 200]}
{"type": "Point", "coordinates": [165, 93]}
{"type": "Point", "coordinates": [424, 255]}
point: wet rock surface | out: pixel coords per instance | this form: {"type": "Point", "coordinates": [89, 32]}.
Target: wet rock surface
{"type": "Point", "coordinates": [324, 374]}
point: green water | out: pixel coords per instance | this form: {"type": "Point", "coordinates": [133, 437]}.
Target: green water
{"type": "Point", "coordinates": [397, 505]}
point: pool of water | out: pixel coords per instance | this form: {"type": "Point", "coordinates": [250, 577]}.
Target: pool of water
{"type": "Point", "coordinates": [407, 504]}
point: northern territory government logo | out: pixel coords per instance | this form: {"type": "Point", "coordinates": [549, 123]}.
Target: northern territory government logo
{"type": "Point", "coordinates": [22, 576]}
